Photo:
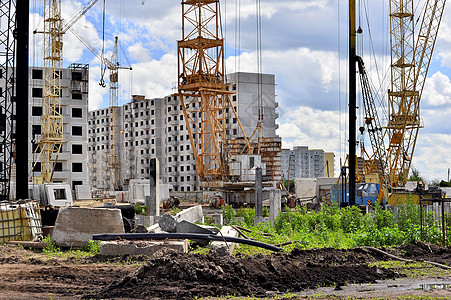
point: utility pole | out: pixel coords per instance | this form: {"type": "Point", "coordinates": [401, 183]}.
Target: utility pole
{"type": "Point", "coordinates": [22, 24]}
{"type": "Point", "coordinates": [352, 101]}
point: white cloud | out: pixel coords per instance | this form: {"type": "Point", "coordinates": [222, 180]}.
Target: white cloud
{"type": "Point", "coordinates": [138, 52]}
{"type": "Point", "coordinates": [155, 78]}
{"type": "Point", "coordinates": [437, 90]}
{"type": "Point", "coordinates": [431, 158]}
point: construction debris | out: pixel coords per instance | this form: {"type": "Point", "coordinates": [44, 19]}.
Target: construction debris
{"type": "Point", "coordinates": [134, 248]}
{"type": "Point", "coordinates": [75, 226]}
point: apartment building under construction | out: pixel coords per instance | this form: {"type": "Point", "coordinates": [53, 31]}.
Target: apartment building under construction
{"type": "Point", "coordinates": [155, 128]}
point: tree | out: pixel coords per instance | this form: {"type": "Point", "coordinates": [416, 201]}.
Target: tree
{"type": "Point", "coordinates": [444, 183]}
{"type": "Point", "coordinates": [415, 175]}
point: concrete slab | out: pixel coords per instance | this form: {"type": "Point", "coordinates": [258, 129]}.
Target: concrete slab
{"type": "Point", "coordinates": [188, 227]}
{"type": "Point", "coordinates": [75, 226]}
{"type": "Point", "coordinates": [224, 248]}
{"type": "Point", "coordinates": [82, 192]}
{"type": "Point", "coordinates": [139, 188]}
{"type": "Point", "coordinates": [193, 214]}
{"type": "Point", "coordinates": [154, 228]}
{"type": "Point", "coordinates": [133, 248]}
{"type": "Point", "coordinates": [305, 187]}
{"type": "Point", "coordinates": [213, 229]}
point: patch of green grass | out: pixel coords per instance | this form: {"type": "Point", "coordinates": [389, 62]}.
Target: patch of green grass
{"type": "Point", "coordinates": [336, 227]}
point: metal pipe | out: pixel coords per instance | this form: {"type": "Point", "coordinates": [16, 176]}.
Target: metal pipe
{"type": "Point", "coordinates": [352, 102]}
{"type": "Point", "coordinates": [22, 18]}
{"type": "Point", "coordinates": [190, 236]}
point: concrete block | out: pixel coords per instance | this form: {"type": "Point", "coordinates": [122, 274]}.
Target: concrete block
{"type": "Point", "coordinates": [167, 223]}
{"type": "Point", "coordinates": [75, 226]}
{"type": "Point", "coordinates": [213, 229]}
{"type": "Point", "coordinates": [224, 248]}
{"type": "Point", "coordinates": [58, 194]}
{"type": "Point", "coordinates": [82, 192]}
{"type": "Point", "coordinates": [133, 248]}
{"type": "Point", "coordinates": [188, 227]}
{"type": "Point", "coordinates": [193, 214]}
{"type": "Point", "coordinates": [139, 188]}
{"type": "Point", "coordinates": [122, 197]}
{"type": "Point", "coordinates": [146, 221]}
{"type": "Point", "coordinates": [305, 187]}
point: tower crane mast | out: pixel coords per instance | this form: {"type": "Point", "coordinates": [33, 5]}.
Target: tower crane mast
{"type": "Point", "coordinates": [51, 140]}
{"type": "Point", "coordinates": [203, 92]}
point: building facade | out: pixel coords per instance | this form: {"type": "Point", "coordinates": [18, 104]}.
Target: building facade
{"type": "Point", "coordinates": [71, 166]}
{"type": "Point", "coordinates": [302, 162]}
{"type": "Point", "coordinates": [156, 128]}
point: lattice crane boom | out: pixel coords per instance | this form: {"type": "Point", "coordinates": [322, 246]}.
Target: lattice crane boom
{"type": "Point", "coordinates": [373, 124]}
{"type": "Point", "coordinates": [409, 67]}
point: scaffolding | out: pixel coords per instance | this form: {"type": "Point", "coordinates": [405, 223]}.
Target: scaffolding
{"type": "Point", "coordinates": [7, 53]}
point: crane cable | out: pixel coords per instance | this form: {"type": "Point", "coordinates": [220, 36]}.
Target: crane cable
{"type": "Point", "coordinates": [259, 61]}
{"type": "Point", "coordinates": [102, 65]}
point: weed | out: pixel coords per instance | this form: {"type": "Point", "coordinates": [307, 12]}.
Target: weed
{"type": "Point", "coordinates": [50, 246]}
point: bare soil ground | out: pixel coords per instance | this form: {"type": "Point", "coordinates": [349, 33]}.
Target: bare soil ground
{"type": "Point", "coordinates": [25, 274]}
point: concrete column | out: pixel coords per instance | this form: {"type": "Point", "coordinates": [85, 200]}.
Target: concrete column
{"type": "Point", "coordinates": [219, 220]}
{"type": "Point", "coordinates": [154, 199]}
{"type": "Point", "coordinates": [258, 195]}
{"type": "Point", "coordinates": [275, 204]}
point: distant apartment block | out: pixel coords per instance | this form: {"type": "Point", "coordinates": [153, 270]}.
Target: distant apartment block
{"type": "Point", "coordinates": [156, 128]}
{"type": "Point", "coordinates": [302, 162]}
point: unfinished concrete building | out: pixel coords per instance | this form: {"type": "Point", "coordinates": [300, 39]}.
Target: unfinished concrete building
{"type": "Point", "coordinates": [155, 128]}
{"type": "Point", "coordinates": [71, 167]}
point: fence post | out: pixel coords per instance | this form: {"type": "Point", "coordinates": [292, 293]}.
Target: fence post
{"type": "Point", "coordinates": [443, 221]}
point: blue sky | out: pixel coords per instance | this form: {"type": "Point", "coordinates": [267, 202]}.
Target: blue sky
{"type": "Point", "coordinates": [304, 44]}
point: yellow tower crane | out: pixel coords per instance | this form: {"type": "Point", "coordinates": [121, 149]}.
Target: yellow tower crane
{"type": "Point", "coordinates": [203, 93]}
{"type": "Point", "coordinates": [51, 140]}
{"type": "Point", "coordinates": [410, 62]}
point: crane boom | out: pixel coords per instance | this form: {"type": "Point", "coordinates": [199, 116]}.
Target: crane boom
{"type": "Point", "coordinates": [373, 123]}
{"type": "Point", "coordinates": [409, 67]}
{"type": "Point", "coordinates": [78, 15]}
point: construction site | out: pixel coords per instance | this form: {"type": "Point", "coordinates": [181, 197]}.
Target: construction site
{"type": "Point", "coordinates": [195, 194]}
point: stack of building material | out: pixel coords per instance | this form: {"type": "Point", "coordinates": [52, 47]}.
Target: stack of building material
{"type": "Point", "coordinates": [20, 221]}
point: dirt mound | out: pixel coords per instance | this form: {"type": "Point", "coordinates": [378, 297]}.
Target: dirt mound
{"type": "Point", "coordinates": [172, 275]}
{"type": "Point", "coordinates": [423, 251]}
